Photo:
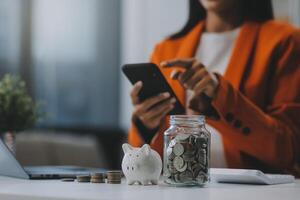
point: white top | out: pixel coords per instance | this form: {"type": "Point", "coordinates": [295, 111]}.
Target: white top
{"type": "Point", "coordinates": [17, 189]}
{"type": "Point", "coordinates": [214, 52]}
{"type": "Point", "coordinates": [215, 49]}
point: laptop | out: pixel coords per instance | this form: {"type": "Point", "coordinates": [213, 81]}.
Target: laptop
{"type": "Point", "coordinates": [9, 166]}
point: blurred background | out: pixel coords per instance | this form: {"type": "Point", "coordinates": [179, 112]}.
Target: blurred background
{"type": "Point", "coordinates": [70, 52]}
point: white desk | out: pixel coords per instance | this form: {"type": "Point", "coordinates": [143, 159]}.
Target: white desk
{"type": "Point", "coordinates": [15, 189]}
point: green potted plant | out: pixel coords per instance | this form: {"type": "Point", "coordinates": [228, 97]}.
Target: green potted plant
{"type": "Point", "coordinates": [17, 109]}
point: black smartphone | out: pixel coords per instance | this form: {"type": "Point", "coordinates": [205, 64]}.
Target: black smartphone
{"type": "Point", "coordinates": [154, 83]}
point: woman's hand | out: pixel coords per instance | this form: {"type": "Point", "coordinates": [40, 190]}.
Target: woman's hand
{"type": "Point", "coordinates": [196, 78]}
{"type": "Point", "coordinates": [151, 111]}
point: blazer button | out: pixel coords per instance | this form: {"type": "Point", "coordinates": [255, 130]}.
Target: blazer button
{"type": "Point", "coordinates": [246, 130]}
{"type": "Point", "coordinates": [237, 124]}
{"type": "Point", "coordinates": [229, 117]}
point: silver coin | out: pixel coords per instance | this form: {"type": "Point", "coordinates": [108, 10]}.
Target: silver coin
{"type": "Point", "coordinates": [202, 177]}
{"type": "Point", "coordinates": [171, 168]}
{"type": "Point", "coordinates": [182, 137]}
{"type": "Point", "coordinates": [188, 157]}
{"type": "Point", "coordinates": [177, 178]}
{"type": "Point", "coordinates": [196, 169]}
{"type": "Point", "coordinates": [178, 163]}
{"type": "Point", "coordinates": [186, 176]}
{"type": "Point", "coordinates": [183, 168]}
{"type": "Point", "coordinates": [189, 166]}
{"type": "Point", "coordinates": [178, 149]}
{"type": "Point", "coordinates": [202, 156]}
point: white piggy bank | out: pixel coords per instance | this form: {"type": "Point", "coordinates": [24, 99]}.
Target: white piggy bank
{"type": "Point", "coordinates": [141, 165]}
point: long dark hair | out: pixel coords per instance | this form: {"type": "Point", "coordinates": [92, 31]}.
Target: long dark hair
{"type": "Point", "coordinates": [253, 10]}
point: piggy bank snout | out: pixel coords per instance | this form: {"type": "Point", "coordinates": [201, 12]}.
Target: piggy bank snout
{"type": "Point", "coordinates": [136, 166]}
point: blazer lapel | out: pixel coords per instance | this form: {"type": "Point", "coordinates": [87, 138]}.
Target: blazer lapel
{"type": "Point", "coordinates": [191, 42]}
{"type": "Point", "coordinates": [242, 51]}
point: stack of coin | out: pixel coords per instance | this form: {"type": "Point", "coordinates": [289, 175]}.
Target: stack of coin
{"type": "Point", "coordinates": [187, 159]}
{"type": "Point", "coordinates": [98, 178]}
{"type": "Point", "coordinates": [83, 178]}
{"type": "Point", "coordinates": [114, 177]}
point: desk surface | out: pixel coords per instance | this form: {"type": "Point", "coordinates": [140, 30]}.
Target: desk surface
{"type": "Point", "coordinates": [15, 189]}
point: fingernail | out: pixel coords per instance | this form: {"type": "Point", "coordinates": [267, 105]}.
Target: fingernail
{"type": "Point", "coordinates": [166, 94]}
{"type": "Point", "coordinates": [163, 63]}
{"type": "Point", "coordinates": [173, 74]}
{"type": "Point", "coordinates": [139, 83]}
{"type": "Point", "coordinates": [173, 100]}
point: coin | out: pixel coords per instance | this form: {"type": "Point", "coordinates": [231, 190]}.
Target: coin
{"type": "Point", "coordinates": [186, 176]}
{"type": "Point", "coordinates": [202, 177]}
{"type": "Point", "coordinates": [188, 157]}
{"type": "Point", "coordinates": [178, 149]}
{"type": "Point", "coordinates": [202, 156]}
{"type": "Point", "coordinates": [97, 174]}
{"type": "Point", "coordinates": [171, 167]}
{"type": "Point", "coordinates": [178, 162]}
{"type": "Point", "coordinates": [83, 178]}
{"type": "Point", "coordinates": [113, 177]}
{"type": "Point", "coordinates": [98, 178]}
{"type": "Point", "coordinates": [183, 168]}
{"type": "Point", "coordinates": [177, 178]}
{"type": "Point", "coordinates": [182, 137]}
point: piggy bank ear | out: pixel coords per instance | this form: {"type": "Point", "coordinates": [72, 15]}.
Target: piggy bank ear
{"type": "Point", "coordinates": [126, 148]}
{"type": "Point", "coordinates": [145, 149]}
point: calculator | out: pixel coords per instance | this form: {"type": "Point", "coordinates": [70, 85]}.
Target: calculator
{"type": "Point", "coordinates": [248, 176]}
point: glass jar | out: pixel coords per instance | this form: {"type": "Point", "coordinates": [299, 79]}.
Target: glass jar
{"type": "Point", "coordinates": [186, 151]}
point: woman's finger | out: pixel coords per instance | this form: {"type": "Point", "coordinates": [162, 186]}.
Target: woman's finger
{"type": "Point", "coordinates": [135, 91]}
{"type": "Point", "coordinates": [160, 108]}
{"type": "Point", "coordinates": [198, 76]}
{"type": "Point", "coordinates": [162, 114]}
{"type": "Point", "coordinates": [190, 72]}
{"type": "Point", "coordinates": [202, 85]}
{"type": "Point", "coordinates": [183, 63]}
{"type": "Point", "coordinates": [175, 74]}
{"type": "Point", "coordinates": [148, 103]}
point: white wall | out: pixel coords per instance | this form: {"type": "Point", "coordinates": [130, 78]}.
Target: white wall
{"type": "Point", "coordinates": [287, 10]}
{"type": "Point", "coordinates": [144, 23]}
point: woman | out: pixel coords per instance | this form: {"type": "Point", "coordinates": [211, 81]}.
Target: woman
{"type": "Point", "coordinates": [234, 64]}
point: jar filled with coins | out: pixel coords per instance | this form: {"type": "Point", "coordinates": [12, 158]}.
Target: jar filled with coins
{"type": "Point", "coordinates": [186, 151]}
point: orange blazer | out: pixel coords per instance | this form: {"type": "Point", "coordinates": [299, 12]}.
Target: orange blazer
{"type": "Point", "coordinates": [258, 98]}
